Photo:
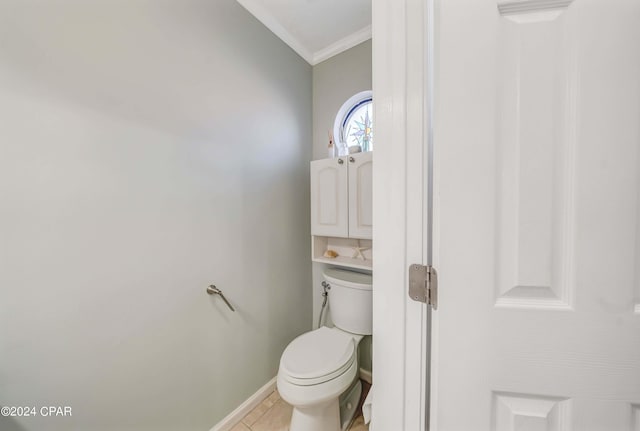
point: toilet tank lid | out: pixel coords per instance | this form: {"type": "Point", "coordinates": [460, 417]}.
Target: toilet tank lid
{"type": "Point", "coordinates": [356, 280]}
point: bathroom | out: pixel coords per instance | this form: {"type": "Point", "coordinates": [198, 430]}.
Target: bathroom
{"type": "Point", "coordinates": [151, 149]}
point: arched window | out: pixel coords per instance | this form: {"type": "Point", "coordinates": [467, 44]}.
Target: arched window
{"type": "Point", "coordinates": [354, 123]}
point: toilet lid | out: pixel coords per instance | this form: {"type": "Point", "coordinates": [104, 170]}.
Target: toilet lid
{"type": "Point", "coordinates": [318, 356]}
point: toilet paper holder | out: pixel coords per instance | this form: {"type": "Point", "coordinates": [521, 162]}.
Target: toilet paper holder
{"type": "Point", "coordinates": [213, 290]}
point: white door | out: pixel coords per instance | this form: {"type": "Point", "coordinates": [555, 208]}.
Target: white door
{"type": "Point", "coordinates": [536, 215]}
{"type": "Point", "coordinates": [360, 195]}
{"type": "Point", "coordinates": [329, 200]}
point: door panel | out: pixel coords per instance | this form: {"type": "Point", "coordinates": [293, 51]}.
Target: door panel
{"type": "Point", "coordinates": [329, 206]}
{"type": "Point", "coordinates": [361, 195]}
{"type": "Point", "coordinates": [532, 413]}
{"type": "Point", "coordinates": [535, 99]}
{"type": "Point", "coordinates": [536, 217]}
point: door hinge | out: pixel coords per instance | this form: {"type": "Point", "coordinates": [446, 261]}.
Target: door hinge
{"type": "Point", "coordinates": [423, 284]}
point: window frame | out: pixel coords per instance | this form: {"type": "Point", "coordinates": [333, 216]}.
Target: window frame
{"type": "Point", "coordinates": [344, 115]}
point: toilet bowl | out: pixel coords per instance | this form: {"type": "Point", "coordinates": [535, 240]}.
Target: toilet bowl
{"type": "Point", "coordinates": [315, 369]}
{"type": "Point", "coordinates": [319, 366]}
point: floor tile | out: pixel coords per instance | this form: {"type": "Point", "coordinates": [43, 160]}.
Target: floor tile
{"type": "Point", "coordinates": [359, 425]}
{"type": "Point", "coordinates": [275, 396]}
{"type": "Point", "coordinates": [256, 413]}
{"type": "Point", "coordinates": [271, 399]}
{"type": "Point", "coordinates": [277, 418]}
{"type": "Point", "coordinates": [274, 414]}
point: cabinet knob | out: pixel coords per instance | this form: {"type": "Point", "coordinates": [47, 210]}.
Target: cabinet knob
{"type": "Point", "coordinates": [351, 159]}
{"type": "Point", "coordinates": [340, 161]}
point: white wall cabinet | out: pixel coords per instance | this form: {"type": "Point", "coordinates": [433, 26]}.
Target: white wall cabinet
{"type": "Point", "coordinates": [341, 196]}
{"type": "Point", "coordinates": [341, 207]}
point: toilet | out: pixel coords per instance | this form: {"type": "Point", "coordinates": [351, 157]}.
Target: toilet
{"type": "Point", "coordinates": [319, 370]}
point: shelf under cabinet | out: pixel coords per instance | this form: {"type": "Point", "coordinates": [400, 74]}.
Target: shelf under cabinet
{"type": "Point", "coordinates": [344, 248]}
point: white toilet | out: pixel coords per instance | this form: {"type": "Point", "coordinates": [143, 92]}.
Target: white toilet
{"type": "Point", "coordinates": [318, 372]}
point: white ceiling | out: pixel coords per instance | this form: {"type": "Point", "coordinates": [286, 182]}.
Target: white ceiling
{"type": "Point", "coordinates": [315, 29]}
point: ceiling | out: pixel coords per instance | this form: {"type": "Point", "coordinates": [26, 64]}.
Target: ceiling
{"type": "Point", "coordinates": [315, 29]}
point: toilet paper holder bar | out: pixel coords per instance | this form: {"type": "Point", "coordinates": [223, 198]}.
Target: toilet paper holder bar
{"type": "Point", "coordinates": [213, 290]}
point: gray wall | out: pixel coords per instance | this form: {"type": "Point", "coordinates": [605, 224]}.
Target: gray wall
{"type": "Point", "coordinates": [334, 81]}
{"type": "Point", "coordinates": [148, 149]}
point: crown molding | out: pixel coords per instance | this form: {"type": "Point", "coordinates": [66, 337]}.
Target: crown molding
{"type": "Point", "coordinates": [266, 18]}
{"type": "Point", "coordinates": [342, 45]}
{"type": "Point", "coordinates": [313, 58]}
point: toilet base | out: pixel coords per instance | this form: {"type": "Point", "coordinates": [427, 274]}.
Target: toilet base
{"type": "Point", "coordinates": [348, 403]}
{"type": "Point", "coordinates": [323, 417]}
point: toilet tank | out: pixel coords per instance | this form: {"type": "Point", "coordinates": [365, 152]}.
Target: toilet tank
{"type": "Point", "coordinates": [350, 300]}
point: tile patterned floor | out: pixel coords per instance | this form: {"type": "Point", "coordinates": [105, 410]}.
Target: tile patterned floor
{"type": "Point", "coordinates": [273, 414]}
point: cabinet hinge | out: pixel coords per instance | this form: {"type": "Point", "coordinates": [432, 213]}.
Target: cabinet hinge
{"type": "Point", "coordinates": [423, 284]}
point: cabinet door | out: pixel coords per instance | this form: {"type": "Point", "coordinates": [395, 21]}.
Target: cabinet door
{"type": "Point", "coordinates": [329, 207]}
{"type": "Point", "coordinates": [360, 195]}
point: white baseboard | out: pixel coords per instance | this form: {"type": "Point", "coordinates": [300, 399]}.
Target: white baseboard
{"type": "Point", "coordinates": [366, 376]}
{"type": "Point", "coordinates": [243, 409]}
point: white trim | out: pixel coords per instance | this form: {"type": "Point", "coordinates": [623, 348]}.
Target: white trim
{"type": "Point", "coordinates": [417, 117]}
{"type": "Point", "coordinates": [233, 418]}
{"type": "Point", "coordinates": [399, 191]}
{"type": "Point", "coordinates": [272, 24]}
{"type": "Point", "coordinates": [401, 115]}
{"type": "Point", "coordinates": [313, 58]}
{"type": "Point", "coordinates": [342, 45]}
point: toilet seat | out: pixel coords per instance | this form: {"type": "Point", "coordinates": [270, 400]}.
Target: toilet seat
{"type": "Point", "coordinates": [318, 356]}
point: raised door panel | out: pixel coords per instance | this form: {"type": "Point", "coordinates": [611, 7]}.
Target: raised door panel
{"type": "Point", "coordinates": [329, 206]}
{"type": "Point", "coordinates": [361, 195]}
{"type": "Point", "coordinates": [521, 412]}
{"type": "Point", "coordinates": [536, 106]}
